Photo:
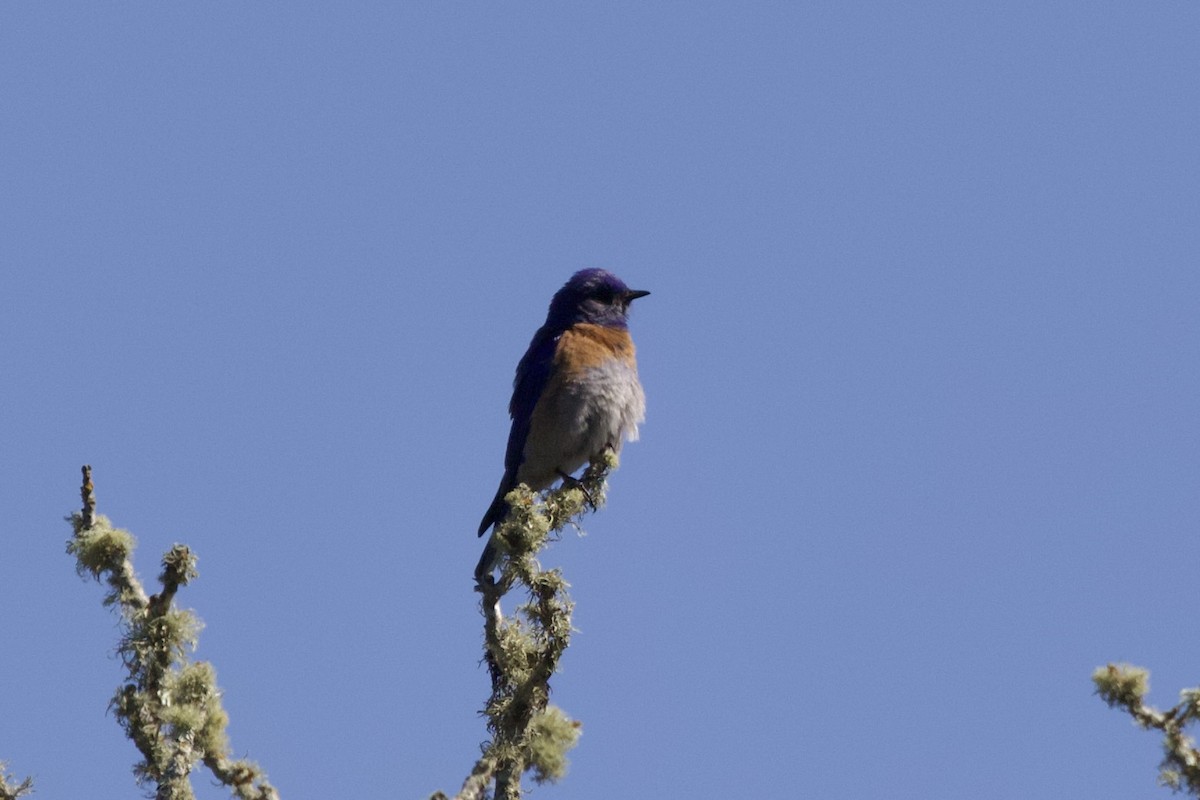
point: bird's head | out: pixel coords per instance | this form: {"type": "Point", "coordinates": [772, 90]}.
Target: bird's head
{"type": "Point", "coordinates": [594, 296]}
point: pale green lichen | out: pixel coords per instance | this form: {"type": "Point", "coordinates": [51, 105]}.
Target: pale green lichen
{"type": "Point", "coordinates": [169, 706]}
{"type": "Point", "coordinates": [1121, 685]}
{"type": "Point", "coordinates": [551, 734]}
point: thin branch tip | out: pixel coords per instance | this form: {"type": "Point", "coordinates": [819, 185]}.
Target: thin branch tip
{"type": "Point", "coordinates": [88, 494]}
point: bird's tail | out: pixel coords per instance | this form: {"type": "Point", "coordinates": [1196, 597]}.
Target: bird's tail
{"type": "Point", "coordinates": [496, 513]}
{"type": "Point", "coordinates": [487, 562]}
{"type": "Point", "coordinates": [498, 510]}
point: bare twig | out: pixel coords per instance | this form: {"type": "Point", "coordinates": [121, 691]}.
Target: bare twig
{"type": "Point", "coordinates": [87, 493]}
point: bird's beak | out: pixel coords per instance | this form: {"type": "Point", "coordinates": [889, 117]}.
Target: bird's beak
{"type": "Point", "coordinates": [634, 294]}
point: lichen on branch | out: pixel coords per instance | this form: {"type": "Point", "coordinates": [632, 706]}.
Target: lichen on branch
{"type": "Point", "coordinates": [1125, 687]}
{"type": "Point", "coordinates": [168, 705]}
{"type": "Point", "coordinates": [522, 652]}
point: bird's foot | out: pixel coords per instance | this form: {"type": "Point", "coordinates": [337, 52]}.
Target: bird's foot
{"type": "Point", "coordinates": [571, 482]}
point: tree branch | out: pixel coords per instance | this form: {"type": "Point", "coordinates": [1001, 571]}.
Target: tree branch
{"type": "Point", "coordinates": [1125, 686]}
{"type": "Point", "coordinates": [9, 788]}
{"type": "Point", "coordinates": [169, 706]}
{"type": "Point", "coordinates": [522, 652]}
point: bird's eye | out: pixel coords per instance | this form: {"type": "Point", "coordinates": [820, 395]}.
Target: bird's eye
{"type": "Point", "coordinates": [606, 295]}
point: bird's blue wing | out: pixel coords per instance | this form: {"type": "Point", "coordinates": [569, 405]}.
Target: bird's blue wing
{"type": "Point", "coordinates": [533, 373]}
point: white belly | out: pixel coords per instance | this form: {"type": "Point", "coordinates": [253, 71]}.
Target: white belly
{"type": "Point", "coordinates": [601, 408]}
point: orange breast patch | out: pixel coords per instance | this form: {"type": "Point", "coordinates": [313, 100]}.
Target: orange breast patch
{"type": "Point", "coordinates": [585, 346]}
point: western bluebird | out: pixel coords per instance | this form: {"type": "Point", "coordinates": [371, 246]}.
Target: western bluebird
{"type": "Point", "coordinates": [576, 391]}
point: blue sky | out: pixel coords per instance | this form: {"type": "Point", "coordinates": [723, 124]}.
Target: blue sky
{"type": "Point", "coordinates": [922, 447]}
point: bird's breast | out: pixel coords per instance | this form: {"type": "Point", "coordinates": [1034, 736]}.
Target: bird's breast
{"type": "Point", "coordinates": [601, 391]}
{"type": "Point", "coordinates": [593, 400]}
{"type": "Point", "coordinates": [584, 347]}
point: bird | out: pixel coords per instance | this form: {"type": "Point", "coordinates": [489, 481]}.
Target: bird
{"type": "Point", "coordinates": [575, 394]}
